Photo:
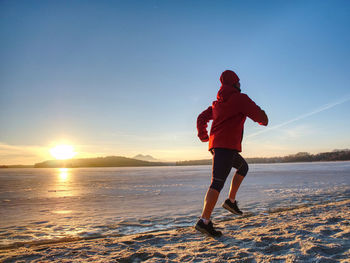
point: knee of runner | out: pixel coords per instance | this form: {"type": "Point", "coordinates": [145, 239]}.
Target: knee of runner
{"type": "Point", "coordinates": [217, 184]}
{"type": "Point", "coordinates": [243, 170]}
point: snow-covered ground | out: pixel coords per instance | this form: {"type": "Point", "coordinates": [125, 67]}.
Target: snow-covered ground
{"type": "Point", "coordinates": [49, 205]}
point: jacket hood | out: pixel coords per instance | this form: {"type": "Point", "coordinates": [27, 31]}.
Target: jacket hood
{"type": "Point", "coordinates": [228, 77]}
{"type": "Point", "coordinates": [228, 80]}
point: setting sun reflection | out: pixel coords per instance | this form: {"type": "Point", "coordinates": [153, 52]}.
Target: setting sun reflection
{"type": "Point", "coordinates": [63, 184]}
{"type": "Point", "coordinates": [63, 174]}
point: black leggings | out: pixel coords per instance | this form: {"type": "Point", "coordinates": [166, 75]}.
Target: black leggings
{"type": "Point", "coordinates": [223, 161]}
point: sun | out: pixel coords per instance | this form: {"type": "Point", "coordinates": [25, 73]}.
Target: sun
{"type": "Point", "coordinates": [63, 152]}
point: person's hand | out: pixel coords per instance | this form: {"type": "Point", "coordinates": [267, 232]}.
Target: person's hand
{"type": "Point", "coordinates": [204, 138]}
{"type": "Point", "coordinates": [266, 119]}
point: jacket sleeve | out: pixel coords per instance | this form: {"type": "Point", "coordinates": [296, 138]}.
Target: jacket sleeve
{"type": "Point", "coordinates": [202, 124]}
{"type": "Point", "coordinates": [253, 111]}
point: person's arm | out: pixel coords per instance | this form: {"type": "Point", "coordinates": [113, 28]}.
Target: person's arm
{"type": "Point", "coordinates": [202, 124]}
{"type": "Point", "coordinates": [253, 111]}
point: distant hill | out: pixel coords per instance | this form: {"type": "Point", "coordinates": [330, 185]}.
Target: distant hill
{"type": "Point", "coordinates": [147, 158]}
{"type": "Point", "coordinates": [110, 161]}
{"type": "Point", "coordinates": [336, 155]}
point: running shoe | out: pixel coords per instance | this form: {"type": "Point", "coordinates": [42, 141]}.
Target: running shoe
{"type": "Point", "coordinates": [232, 207]}
{"type": "Point", "coordinates": [207, 229]}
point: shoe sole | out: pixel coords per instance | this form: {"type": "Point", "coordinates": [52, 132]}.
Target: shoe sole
{"type": "Point", "coordinates": [202, 230]}
{"type": "Point", "coordinates": [224, 205]}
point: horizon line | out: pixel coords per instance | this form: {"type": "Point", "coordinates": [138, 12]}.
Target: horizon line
{"type": "Point", "coordinates": [334, 150]}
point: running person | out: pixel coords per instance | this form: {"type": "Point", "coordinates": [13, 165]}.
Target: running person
{"type": "Point", "coordinates": [228, 113]}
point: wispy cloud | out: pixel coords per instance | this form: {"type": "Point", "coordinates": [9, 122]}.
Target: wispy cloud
{"type": "Point", "coordinates": [21, 154]}
{"type": "Point", "coordinates": [303, 116]}
{"type": "Point", "coordinates": [298, 131]}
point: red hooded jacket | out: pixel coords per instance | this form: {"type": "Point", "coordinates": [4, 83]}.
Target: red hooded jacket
{"type": "Point", "coordinates": [228, 113]}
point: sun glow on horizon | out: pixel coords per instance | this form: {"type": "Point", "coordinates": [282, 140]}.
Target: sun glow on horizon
{"type": "Point", "coordinates": [63, 152]}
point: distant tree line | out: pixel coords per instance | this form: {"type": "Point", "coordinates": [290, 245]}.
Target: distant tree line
{"type": "Point", "coordinates": [194, 162]}
{"type": "Point", "coordinates": [336, 155]}
{"type": "Point", "coordinates": [16, 166]}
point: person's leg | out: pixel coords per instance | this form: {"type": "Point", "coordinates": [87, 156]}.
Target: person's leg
{"type": "Point", "coordinates": [209, 203]}
{"type": "Point", "coordinates": [204, 224]}
{"type": "Point", "coordinates": [242, 169]}
{"type": "Point", "coordinates": [222, 165]}
{"type": "Point", "coordinates": [235, 183]}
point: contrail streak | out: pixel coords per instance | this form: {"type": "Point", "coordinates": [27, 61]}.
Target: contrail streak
{"type": "Point", "coordinates": [303, 116]}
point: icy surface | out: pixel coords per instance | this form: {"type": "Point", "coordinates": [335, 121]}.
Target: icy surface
{"type": "Point", "coordinates": [54, 204]}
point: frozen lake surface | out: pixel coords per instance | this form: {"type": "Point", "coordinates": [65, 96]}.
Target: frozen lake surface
{"type": "Point", "coordinates": [41, 204]}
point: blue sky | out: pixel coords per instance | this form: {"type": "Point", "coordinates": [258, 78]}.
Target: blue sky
{"type": "Point", "coordinates": [129, 77]}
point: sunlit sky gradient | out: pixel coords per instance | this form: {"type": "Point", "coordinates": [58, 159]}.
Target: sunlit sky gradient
{"type": "Point", "coordinates": [130, 77]}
